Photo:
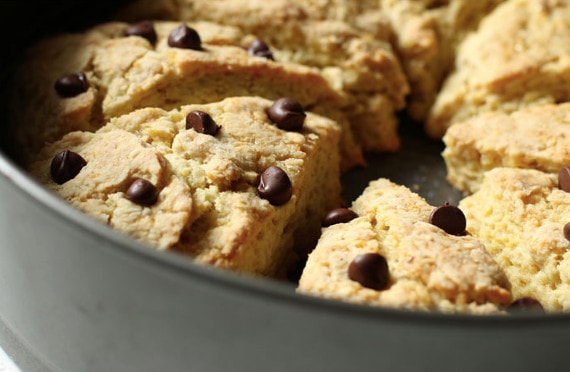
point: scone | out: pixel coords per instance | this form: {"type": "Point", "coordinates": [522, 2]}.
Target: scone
{"type": "Point", "coordinates": [535, 138]}
{"type": "Point", "coordinates": [220, 182]}
{"type": "Point", "coordinates": [363, 68]}
{"type": "Point", "coordinates": [79, 81]}
{"type": "Point", "coordinates": [521, 216]}
{"type": "Point", "coordinates": [400, 252]}
{"type": "Point", "coordinates": [426, 35]}
{"type": "Point", "coordinates": [519, 56]}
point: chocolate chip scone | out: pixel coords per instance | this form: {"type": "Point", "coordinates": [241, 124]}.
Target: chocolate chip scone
{"type": "Point", "coordinates": [535, 138]}
{"type": "Point", "coordinates": [364, 69]}
{"type": "Point", "coordinates": [517, 58]}
{"type": "Point", "coordinates": [241, 184]}
{"type": "Point", "coordinates": [522, 215]}
{"type": "Point", "coordinates": [79, 81]}
{"type": "Point", "coordinates": [392, 249]}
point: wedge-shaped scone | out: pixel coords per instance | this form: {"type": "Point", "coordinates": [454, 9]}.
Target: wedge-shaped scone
{"type": "Point", "coordinates": [518, 57]}
{"type": "Point", "coordinates": [429, 269]}
{"type": "Point", "coordinates": [363, 68]}
{"type": "Point", "coordinates": [521, 215]}
{"type": "Point", "coordinates": [535, 138]}
{"type": "Point", "coordinates": [124, 73]}
{"type": "Point", "coordinates": [208, 203]}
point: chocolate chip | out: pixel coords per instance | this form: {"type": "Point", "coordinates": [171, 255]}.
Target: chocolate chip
{"type": "Point", "coordinates": [370, 270]}
{"type": "Point", "coordinates": [338, 215]}
{"type": "Point", "coordinates": [144, 29]}
{"type": "Point", "coordinates": [449, 218]}
{"type": "Point", "coordinates": [71, 85]}
{"type": "Point", "coordinates": [65, 166]}
{"type": "Point", "coordinates": [259, 48]}
{"type": "Point", "coordinates": [525, 304]}
{"type": "Point", "coordinates": [564, 179]}
{"type": "Point", "coordinates": [185, 37]}
{"type": "Point", "coordinates": [142, 192]}
{"type": "Point", "coordinates": [287, 114]}
{"type": "Point", "coordinates": [566, 230]}
{"type": "Point", "coordinates": [201, 122]}
{"type": "Point", "coordinates": [275, 186]}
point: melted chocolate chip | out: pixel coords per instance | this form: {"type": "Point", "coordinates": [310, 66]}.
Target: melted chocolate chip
{"type": "Point", "coordinates": [564, 179]}
{"type": "Point", "coordinates": [566, 230]}
{"type": "Point", "coordinates": [525, 304]}
{"type": "Point", "coordinates": [338, 215]}
{"type": "Point", "coordinates": [185, 37]}
{"type": "Point", "coordinates": [65, 166]}
{"type": "Point", "coordinates": [275, 186]}
{"type": "Point", "coordinates": [71, 85]}
{"type": "Point", "coordinates": [449, 218]}
{"type": "Point", "coordinates": [287, 114]}
{"type": "Point", "coordinates": [201, 122]}
{"type": "Point", "coordinates": [144, 29]}
{"type": "Point", "coordinates": [259, 48]}
{"type": "Point", "coordinates": [370, 270]}
{"type": "Point", "coordinates": [142, 192]}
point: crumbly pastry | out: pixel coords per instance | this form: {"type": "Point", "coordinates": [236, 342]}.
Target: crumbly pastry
{"type": "Point", "coordinates": [427, 33]}
{"type": "Point", "coordinates": [518, 57]}
{"type": "Point", "coordinates": [425, 267]}
{"type": "Point", "coordinates": [125, 72]}
{"type": "Point", "coordinates": [521, 215]}
{"type": "Point", "coordinates": [535, 137]}
{"type": "Point", "coordinates": [220, 182]}
{"type": "Point", "coordinates": [363, 68]}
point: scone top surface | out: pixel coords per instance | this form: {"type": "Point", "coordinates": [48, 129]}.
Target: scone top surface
{"type": "Point", "coordinates": [208, 205]}
{"type": "Point", "coordinates": [430, 269]}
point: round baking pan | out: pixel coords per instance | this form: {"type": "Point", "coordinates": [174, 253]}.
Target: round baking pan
{"type": "Point", "coordinates": [76, 296]}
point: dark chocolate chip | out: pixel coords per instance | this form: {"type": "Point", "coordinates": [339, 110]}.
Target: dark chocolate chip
{"type": "Point", "coordinates": [566, 230]}
{"type": "Point", "coordinates": [525, 304]}
{"type": "Point", "coordinates": [185, 37]}
{"type": "Point", "coordinates": [370, 270]}
{"type": "Point", "coordinates": [142, 192]}
{"type": "Point", "coordinates": [259, 48]}
{"type": "Point", "coordinates": [71, 85]}
{"type": "Point", "coordinates": [564, 179]}
{"type": "Point", "coordinates": [449, 218]}
{"type": "Point", "coordinates": [338, 215]}
{"type": "Point", "coordinates": [144, 29]}
{"type": "Point", "coordinates": [287, 114]}
{"type": "Point", "coordinates": [201, 122]}
{"type": "Point", "coordinates": [275, 186]}
{"type": "Point", "coordinates": [65, 166]}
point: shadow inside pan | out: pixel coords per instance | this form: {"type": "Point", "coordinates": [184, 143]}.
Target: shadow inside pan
{"type": "Point", "coordinates": [418, 164]}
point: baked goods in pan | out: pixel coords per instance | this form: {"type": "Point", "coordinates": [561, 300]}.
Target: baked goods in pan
{"type": "Point", "coordinates": [518, 57]}
{"type": "Point", "coordinates": [79, 81]}
{"type": "Point", "coordinates": [240, 184]}
{"type": "Point", "coordinates": [521, 216]}
{"type": "Point", "coordinates": [362, 67]}
{"type": "Point", "coordinates": [398, 251]}
{"type": "Point", "coordinates": [534, 138]}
